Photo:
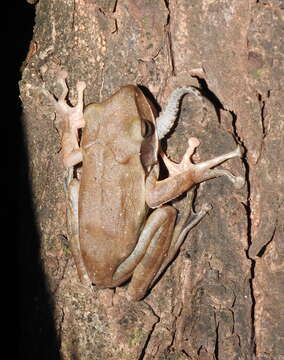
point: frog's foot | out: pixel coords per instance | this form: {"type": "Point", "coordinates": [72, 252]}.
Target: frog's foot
{"type": "Point", "coordinates": [68, 120]}
{"type": "Point", "coordinates": [75, 113]}
{"type": "Point", "coordinates": [175, 168]}
{"type": "Point", "coordinates": [203, 171]}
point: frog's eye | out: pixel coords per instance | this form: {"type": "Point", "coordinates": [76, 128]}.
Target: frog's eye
{"type": "Point", "coordinates": [147, 128]}
{"type": "Point", "coordinates": [149, 145]}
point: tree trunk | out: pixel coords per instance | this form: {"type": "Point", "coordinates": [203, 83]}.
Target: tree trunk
{"type": "Point", "coordinates": [222, 297]}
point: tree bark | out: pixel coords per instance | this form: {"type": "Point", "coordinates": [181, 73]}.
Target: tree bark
{"type": "Point", "coordinates": [222, 297]}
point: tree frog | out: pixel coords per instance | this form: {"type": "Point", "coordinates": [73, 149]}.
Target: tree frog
{"type": "Point", "coordinates": [118, 224]}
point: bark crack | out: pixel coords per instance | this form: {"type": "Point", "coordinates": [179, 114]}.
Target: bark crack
{"type": "Point", "coordinates": [144, 349]}
{"type": "Point", "coordinates": [169, 40]}
{"type": "Point", "coordinates": [262, 112]}
{"type": "Point", "coordinates": [248, 210]}
{"type": "Point", "coordinates": [264, 247]}
{"type": "Point", "coordinates": [247, 204]}
{"type": "Point", "coordinates": [216, 350]}
{"type": "Point", "coordinates": [264, 126]}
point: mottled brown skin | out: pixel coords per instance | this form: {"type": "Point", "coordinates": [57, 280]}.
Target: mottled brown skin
{"type": "Point", "coordinates": [112, 235]}
{"type": "Point", "coordinates": [112, 187]}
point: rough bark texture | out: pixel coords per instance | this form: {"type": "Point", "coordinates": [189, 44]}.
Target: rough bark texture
{"type": "Point", "coordinates": [223, 296]}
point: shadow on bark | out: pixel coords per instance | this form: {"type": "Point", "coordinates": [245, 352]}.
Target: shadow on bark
{"type": "Point", "coordinates": [37, 335]}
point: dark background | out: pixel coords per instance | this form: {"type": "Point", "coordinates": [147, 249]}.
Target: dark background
{"type": "Point", "coordinates": [36, 332]}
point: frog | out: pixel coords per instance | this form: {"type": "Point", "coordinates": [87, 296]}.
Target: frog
{"type": "Point", "coordinates": [121, 220]}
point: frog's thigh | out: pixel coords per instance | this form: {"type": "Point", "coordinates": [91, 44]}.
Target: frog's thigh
{"type": "Point", "coordinates": [159, 230]}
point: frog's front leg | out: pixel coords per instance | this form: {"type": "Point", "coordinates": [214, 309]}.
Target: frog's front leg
{"type": "Point", "coordinates": [186, 174]}
{"type": "Point", "coordinates": [68, 120]}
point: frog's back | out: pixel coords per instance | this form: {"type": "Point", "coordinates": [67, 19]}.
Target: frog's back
{"type": "Point", "coordinates": [112, 192]}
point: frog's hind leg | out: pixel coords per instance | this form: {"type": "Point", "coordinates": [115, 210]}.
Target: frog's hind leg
{"type": "Point", "coordinates": [158, 244]}
{"type": "Point", "coordinates": [149, 253]}
{"type": "Point", "coordinates": [186, 222]}
{"type": "Point", "coordinates": [72, 196]}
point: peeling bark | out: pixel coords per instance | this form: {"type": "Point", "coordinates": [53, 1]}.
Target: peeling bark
{"type": "Point", "coordinates": [222, 296]}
